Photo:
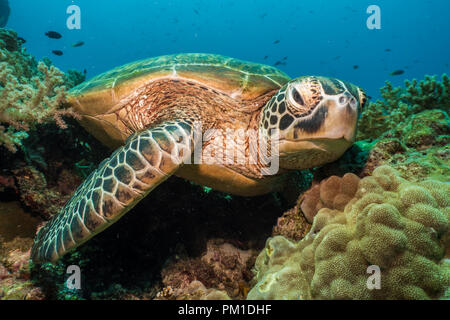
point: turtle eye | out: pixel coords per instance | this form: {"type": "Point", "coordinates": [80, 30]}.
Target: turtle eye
{"type": "Point", "coordinates": [297, 97]}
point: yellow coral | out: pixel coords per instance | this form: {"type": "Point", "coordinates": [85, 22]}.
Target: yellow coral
{"type": "Point", "coordinates": [400, 227]}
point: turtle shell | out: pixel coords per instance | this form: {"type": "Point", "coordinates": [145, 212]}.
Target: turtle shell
{"type": "Point", "coordinates": [240, 79]}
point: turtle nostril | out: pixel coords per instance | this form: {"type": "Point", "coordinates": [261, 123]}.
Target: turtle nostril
{"type": "Point", "coordinates": [342, 100]}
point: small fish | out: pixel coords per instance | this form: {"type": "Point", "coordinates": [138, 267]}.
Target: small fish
{"type": "Point", "coordinates": [53, 35]}
{"type": "Point", "coordinates": [84, 71]}
{"type": "Point", "coordinates": [285, 58]}
{"type": "Point", "coordinates": [388, 50]}
{"type": "Point", "coordinates": [276, 41]}
{"type": "Point", "coordinates": [21, 40]}
{"type": "Point", "coordinates": [337, 58]}
{"type": "Point", "coordinates": [279, 63]}
{"type": "Point", "coordinates": [397, 73]}
{"type": "Point", "coordinates": [265, 57]}
{"type": "Point", "coordinates": [57, 52]}
{"type": "Point", "coordinates": [78, 44]}
{"type": "Point", "coordinates": [196, 11]}
{"type": "Point", "coordinates": [355, 67]}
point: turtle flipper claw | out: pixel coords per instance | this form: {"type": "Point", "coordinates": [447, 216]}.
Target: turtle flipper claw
{"type": "Point", "coordinates": [116, 186]}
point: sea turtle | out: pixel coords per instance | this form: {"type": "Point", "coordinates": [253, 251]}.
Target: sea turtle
{"type": "Point", "coordinates": [182, 114]}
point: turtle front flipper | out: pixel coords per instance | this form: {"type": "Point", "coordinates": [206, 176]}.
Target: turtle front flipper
{"type": "Point", "coordinates": [117, 185]}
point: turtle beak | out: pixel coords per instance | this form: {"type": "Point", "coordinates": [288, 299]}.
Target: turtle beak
{"type": "Point", "coordinates": [343, 116]}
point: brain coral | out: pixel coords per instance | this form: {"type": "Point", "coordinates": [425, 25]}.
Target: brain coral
{"type": "Point", "coordinates": [398, 226]}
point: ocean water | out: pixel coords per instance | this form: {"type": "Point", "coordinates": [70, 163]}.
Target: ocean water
{"type": "Point", "coordinates": [324, 37]}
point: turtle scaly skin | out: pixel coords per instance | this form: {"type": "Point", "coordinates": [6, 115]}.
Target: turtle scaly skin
{"type": "Point", "coordinates": [119, 183]}
{"type": "Point", "coordinates": [158, 113]}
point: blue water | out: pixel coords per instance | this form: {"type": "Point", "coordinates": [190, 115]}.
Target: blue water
{"type": "Point", "coordinates": [321, 37]}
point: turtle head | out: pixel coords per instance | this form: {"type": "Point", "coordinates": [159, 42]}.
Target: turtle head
{"type": "Point", "coordinates": [316, 118]}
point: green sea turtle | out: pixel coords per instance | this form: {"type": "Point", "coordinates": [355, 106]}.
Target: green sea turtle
{"type": "Point", "coordinates": [182, 114]}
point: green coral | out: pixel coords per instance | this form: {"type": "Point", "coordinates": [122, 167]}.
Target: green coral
{"type": "Point", "coordinates": [30, 92]}
{"type": "Point", "coordinates": [399, 226]}
{"type": "Point", "coordinates": [414, 164]}
{"type": "Point", "coordinates": [418, 148]}
{"type": "Point", "coordinates": [400, 103]}
{"type": "Point", "coordinates": [425, 129]}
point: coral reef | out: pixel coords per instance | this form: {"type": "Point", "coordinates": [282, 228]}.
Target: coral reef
{"type": "Point", "coordinates": [50, 165]}
{"type": "Point", "coordinates": [15, 283]}
{"type": "Point", "coordinates": [292, 224]}
{"type": "Point", "coordinates": [222, 266]}
{"type": "Point", "coordinates": [418, 148]}
{"type": "Point", "coordinates": [194, 291]}
{"type": "Point", "coordinates": [38, 196]}
{"type": "Point", "coordinates": [400, 103]}
{"type": "Point", "coordinates": [30, 92]}
{"type": "Point", "coordinates": [399, 226]}
{"type": "Point", "coordinates": [424, 130]}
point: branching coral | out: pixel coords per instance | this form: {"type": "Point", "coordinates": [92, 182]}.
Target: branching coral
{"type": "Point", "coordinates": [400, 103]}
{"type": "Point", "coordinates": [400, 227]}
{"type": "Point", "coordinates": [30, 92]}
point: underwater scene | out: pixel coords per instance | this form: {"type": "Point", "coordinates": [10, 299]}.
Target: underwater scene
{"type": "Point", "coordinates": [224, 150]}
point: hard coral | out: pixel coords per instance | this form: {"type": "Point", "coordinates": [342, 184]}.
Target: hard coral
{"type": "Point", "coordinates": [30, 92]}
{"type": "Point", "coordinates": [222, 266]}
{"type": "Point", "coordinates": [398, 226]}
{"type": "Point", "coordinates": [333, 193]}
